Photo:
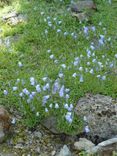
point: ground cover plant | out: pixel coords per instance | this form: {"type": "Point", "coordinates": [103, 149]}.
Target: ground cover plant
{"type": "Point", "coordinates": [57, 60]}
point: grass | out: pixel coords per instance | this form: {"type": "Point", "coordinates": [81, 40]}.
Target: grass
{"type": "Point", "coordinates": [46, 50]}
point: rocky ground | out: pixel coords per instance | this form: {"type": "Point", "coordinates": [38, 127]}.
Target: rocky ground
{"type": "Point", "coordinates": [17, 139]}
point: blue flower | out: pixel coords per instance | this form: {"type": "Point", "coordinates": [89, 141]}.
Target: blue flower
{"type": "Point", "coordinates": [56, 87]}
{"type": "Point", "coordinates": [25, 91]}
{"type": "Point", "coordinates": [5, 92]}
{"type": "Point", "coordinates": [81, 78]}
{"type": "Point", "coordinates": [45, 98]}
{"type": "Point", "coordinates": [46, 110]}
{"type": "Point", "coordinates": [68, 117]}
{"type": "Point", "coordinates": [86, 129]}
{"type": "Point", "coordinates": [86, 30]}
{"type": "Point", "coordinates": [38, 88]}
{"type": "Point", "coordinates": [20, 64]}
{"type": "Point", "coordinates": [56, 106]}
{"type": "Point", "coordinates": [15, 88]}
{"type": "Point", "coordinates": [74, 75]}
{"type": "Point", "coordinates": [61, 92]}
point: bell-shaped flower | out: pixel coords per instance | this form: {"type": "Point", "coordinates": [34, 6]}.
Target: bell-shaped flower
{"type": "Point", "coordinates": [81, 78]}
{"type": "Point", "coordinates": [45, 98]}
{"type": "Point", "coordinates": [56, 105]}
{"type": "Point", "coordinates": [56, 87]}
{"type": "Point", "coordinates": [38, 88]}
{"type": "Point", "coordinates": [5, 92]}
{"type": "Point", "coordinates": [61, 92]}
{"type": "Point", "coordinates": [68, 117]}
{"type": "Point", "coordinates": [66, 106]}
{"type": "Point", "coordinates": [86, 129]}
{"type": "Point", "coordinates": [25, 91]}
{"type": "Point", "coordinates": [46, 87]}
{"type": "Point", "coordinates": [15, 88]}
{"type": "Point", "coordinates": [20, 64]}
{"type": "Point", "coordinates": [46, 110]}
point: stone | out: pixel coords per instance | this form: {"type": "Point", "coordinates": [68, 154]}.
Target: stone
{"type": "Point", "coordinates": [80, 16]}
{"type": "Point", "coordinates": [13, 18]}
{"type": "Point", "coordinates": [53, 153]}
{"type": "Point", "coordinates": [83, 5]}
{"type": "Point", "coordinates": [83, 144]}
{"type": "Point", "coordinates": [38, 150]}
{"type": "Point", "coordinates": [83, 10]}
{"type": "Point", "coordinates": [37, 134]}
{"type": "Point", "coordinates": [4, 123]}
{"type": "Point", "coordinates": [10, 15]}
{"type": "Point", "coordinates": [105, 148]}
{"type": "Point", "coordinates": [101, 116]}
{"type": "Point", "coordinates": [64, 151]}
{"type": "Point", "coordinates": [50, 123]}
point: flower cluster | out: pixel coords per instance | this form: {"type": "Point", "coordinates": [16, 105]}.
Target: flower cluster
{"type": "Point", "coordinates": [47, 96]}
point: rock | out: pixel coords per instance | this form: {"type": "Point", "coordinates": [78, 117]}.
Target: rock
{"type": "Point", "coordinates": [10, 15]}
{"type": "Point", "coordinates": [53, 153]}
{"type": "Point", "coordinates": [83, 5]}
{"type": "Point", "coordinates": [83, 144]}
{"type": "Point", "coordinates": [13, 18]}
{"type": "Point", "coordinates": [51, 124]}
{"type": "Point", "coordinates": [80, 16]}
{"type": "Point", "coordinates": [37, 150]}
{"type": "Point", "coordinates": [101, 116]}
{"type": "Point", "coordinates": [105, 148]}
{"type": "Point", "coordinates": [64, 151]}
{"type": "Point", "coordinates": [37, 134]}
{"type": "Point", "coordinates": [4, 123]}
{"type": "Point", "coordinates": [83, 10]}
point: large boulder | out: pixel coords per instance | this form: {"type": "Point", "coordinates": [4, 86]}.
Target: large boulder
{"type": "Point", "coordinates": [100, 114]}
{"type": "Point", "coordinates": [4, 123]}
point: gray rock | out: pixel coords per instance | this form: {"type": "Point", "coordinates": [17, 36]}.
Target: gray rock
{"type": "Point", "coordinates": [105, 148]}
{"type": "Point", "coordinates": [64, 151]}
{"type": "Point", "coordinates": [51, 124]}
{"type": "Point", "coordinates": [53, 153]}
{"type": "Point", "coordinates": [13, 18]}
{"type": "Point", "coordinates": [10, 15]}
{"type": "Point", "coordinates": [83, 5]}
{"type": "Point", "coordinates": [80, 16]}
{"type": "Point", "coordinates": [83, 9]}
{"type": "Point", "coordinates": [101, 116]}
{"type": "Point", "coordinates": [37, 134]}
{"type": "Point", "coordinates": [83, 144]}
{"type": "Point", "coordinates": [38, 150]}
